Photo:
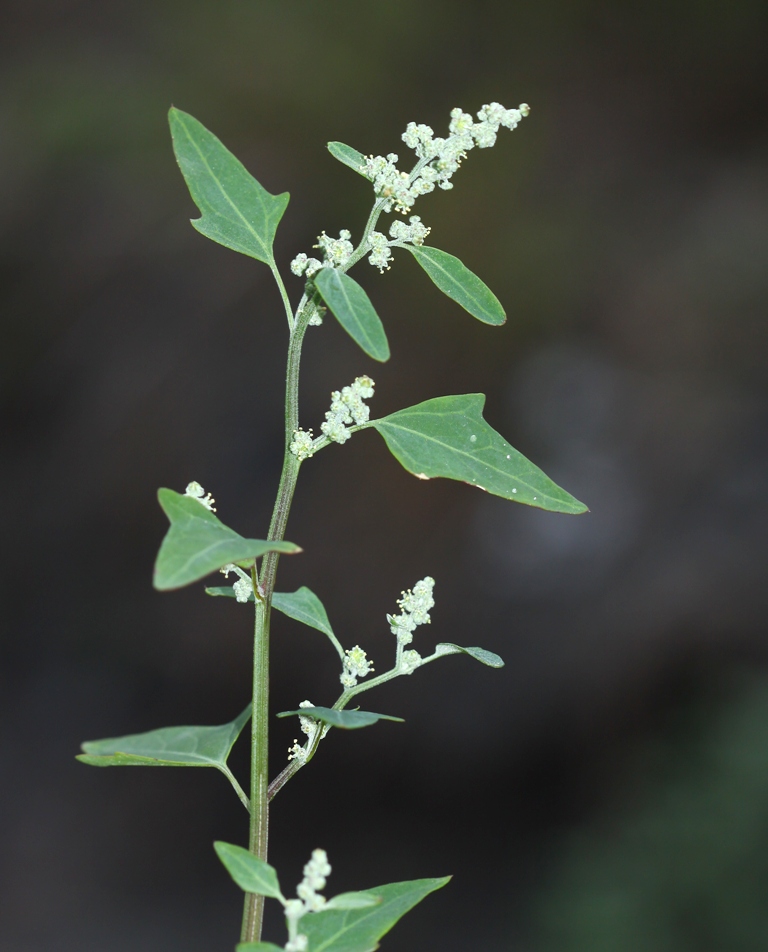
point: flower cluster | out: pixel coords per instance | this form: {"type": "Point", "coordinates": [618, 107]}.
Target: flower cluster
{"type": "Point", "coordinates": [196, 491]}
{"type": "Point", "coordinates": [356, 665]}
{"type": "Point", "coordinates": [302, 445]}
{"type": "Point", "coordinates": [316, 871]}
{"type": "Point", "coordinates": [243, 587]}
{"type": "Point", "coordinates": [415, 605]}
{"type": "Point", "coordinates": [310, 727]}
{"type": "Point", "coordinates": [347, 407]}
{"type": "Point", "coordinates": [438, 157]}
{"type": "Point", "coordinates": [400, 233]}
{"type": "Point", "coordinates": [336, 253]}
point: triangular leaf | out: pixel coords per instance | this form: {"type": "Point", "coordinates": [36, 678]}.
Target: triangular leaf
{"type": "Point", "coordinates": [348, 156]}
{"type": "Point", "coordinates": [347, 720]}
{"type": "Point", "coordinates": [198, 543]}
{"type": "Point", "coordinates": [352, 308]}
{"type": "Point", "coordinates": [479, 654]}
{"type": "Point", "coordinates": [168, 747]}
{"type": "Point", "coordinates": [359, 930]}
{"type": "Point", "coordinates": [304, 606]}
{"type": "Point", "coordinates": [459, 283]}
{"type": "Point", "coordinates": [250, 873]}
{"type": "Point", "coordinates": [447, 436]}
{"type": "Point", "coordinates": [236, 210]}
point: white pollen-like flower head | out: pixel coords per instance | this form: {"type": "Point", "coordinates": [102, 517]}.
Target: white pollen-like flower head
{"type": "Point", "coordinates": [302, 444]}
{"type": "Point", "coordinates": [195, 491]}
{"type": "Point", "coordinates": [415, 605]}
{"type": "Point", "coordinates": [347, 409]}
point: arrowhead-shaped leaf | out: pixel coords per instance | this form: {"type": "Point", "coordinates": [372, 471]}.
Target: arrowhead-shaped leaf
{"type": "Point", "coordinates": [168, 747]}
{"type": "Point", "coordinates": [198, 543]}
{"type": "Point", "coordinates": [352, 308]}
{"type": "Point", "coordinates": [236, 210]}
{"type": "Point", "coordinates": [448, 437]}
{"type": "Point", "coordinates": [459, 283]}
{"type": "Point", "coordinates": [304, 606]}
{"type": "Point", "coordinates": [250, 873]}
{"type": "Point", "coordinates": [479, 654]}
{"type": "Point", "coordinates": [359, 930]}
{"type": "Point", "coordinates": [347, 720]}
{"type": "Point", "coordinates": [348, 156]}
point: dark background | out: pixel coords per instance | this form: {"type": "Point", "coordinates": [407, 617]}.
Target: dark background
{"type": "Point", "coordinates": [608, 789]}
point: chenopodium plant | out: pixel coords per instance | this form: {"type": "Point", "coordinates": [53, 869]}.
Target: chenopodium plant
{"type": "Point", "coordinates": [445, 436]}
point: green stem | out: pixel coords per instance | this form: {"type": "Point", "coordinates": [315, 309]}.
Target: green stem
{"type": "Point", "coordinates": [253, 912]}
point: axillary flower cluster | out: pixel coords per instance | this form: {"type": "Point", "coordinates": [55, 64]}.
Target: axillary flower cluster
{"type": "Point", "coordinates": [347, 409]}
{"type": "Point", "coordinates": [438, 160]}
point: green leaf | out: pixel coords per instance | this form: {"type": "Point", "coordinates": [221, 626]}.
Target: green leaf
{"type": "Point", "coordinates": [352, 900]}
{"type": "Point", "coordinates": [359, 930]}
{"type": "Point", "coordinates": [258, 947]}
{"type": "Point", "coordinates": [168, 747]}
{"type": "Point", "coordinates": [448, 437]}
{"type": "Point", "coordinates": [348, 720]}
{"type": "Point", "coordinates": [250, 873]}
{"type": "Point", "coordinates": [459, 283]}
{"type": "Point", "coordinates": [479, 654]}
{"type": "Point", "coordinates": [304, 606]}
{"type": "Point", "coordinates": [236, 210]}
{"type": "Point", "coordinates": [348, 156]}
{"type": "Point", "coordinates": [352, 308]}
{"type": "Point", "coordinates": [198, 543]}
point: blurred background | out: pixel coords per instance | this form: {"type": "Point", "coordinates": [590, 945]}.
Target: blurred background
{"type": "Point", "coordinates": [608, 789]}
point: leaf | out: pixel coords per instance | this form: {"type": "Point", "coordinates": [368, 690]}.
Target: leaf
{"type": "Point", "coordinates": [460, 284]}
{"type": "Point", "coordinates": [250, 873]}
{"type": "Point", "coordinates": [447, 436]}
{"type": "Point", "coordinates": [168, 747]}
{"type": "Point", "coordinates": [258, 947]}
{"type": "Point", "coordinates": [347, 720]}
{"type": "Point", "coordinates": [352, 900]}
{"type": "Point", "coordinates": [198, 543]}
{"type": "Point", "coordinates": [479, 654]}
{"type": "Point", "coordinates": [304, 606]}
{"type": "Point", "coordinates": [352, 308]}
{"type": "Point", "coordinates": [348, 156]}
{"type": "Point", "coordinates": [236, 210]}
{"type": "Point", "coordinates": [359, 930]}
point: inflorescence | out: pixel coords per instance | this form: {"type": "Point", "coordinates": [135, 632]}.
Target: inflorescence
{"type": "Point", "coordinates": [347, 409]}
{"type": "Point", "coordinates": [316, 871]}
{"type": "Point", "coordinates": [415, 605]}
{"type": "Point", "coordinates": [438, 159]}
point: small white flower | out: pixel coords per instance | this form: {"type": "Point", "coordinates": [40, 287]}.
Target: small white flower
{"type": "Point", "coordinates": [415, 605]}
{"type": "Point", "coordinates": [310, 727]}
{"type": "Point", "coordinates": [409, 662]}
{"type": "Point", "coordinates": [301, 445]}
{"type": "Point", "coordinates": [356, 665]}
{"type": "Point", "coordinates": [336, 251]}
{"type": "Point", "coordinates": [380, 255]}
{"type": "Point", "coordinates": [347, 408]}
{"type": "Point", "coordinates": [195, 491]}
{"type": "Point", "coordinates": [243, 587]}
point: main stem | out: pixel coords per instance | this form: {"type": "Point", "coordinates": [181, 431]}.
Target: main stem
{"type": "Point", "coordinates": [253, 912]}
